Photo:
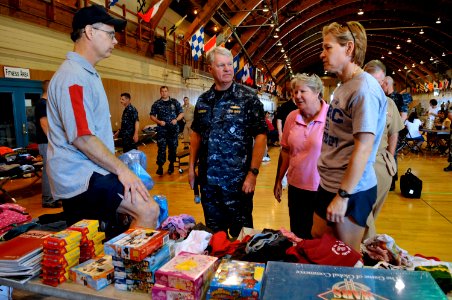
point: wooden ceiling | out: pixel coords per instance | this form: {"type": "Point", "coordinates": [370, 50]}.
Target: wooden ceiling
{"type": "Point", "coordinates": [298, 24]}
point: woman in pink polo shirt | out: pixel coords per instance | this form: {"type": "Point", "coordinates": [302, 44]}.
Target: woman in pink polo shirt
{"type": "Point", "coordinates": [301, 143]}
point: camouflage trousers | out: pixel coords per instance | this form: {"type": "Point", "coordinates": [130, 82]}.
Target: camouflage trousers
{"type": "Point", "coordinates": [166, 139]}
{"type": "Point", "coordinates": [226, 209]}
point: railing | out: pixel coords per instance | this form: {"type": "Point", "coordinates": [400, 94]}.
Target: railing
{"type": "Point", "coordinates": [138, 37]}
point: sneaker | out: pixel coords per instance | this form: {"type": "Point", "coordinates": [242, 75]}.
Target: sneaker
{"type": "Point", "coordinates": [171, 168]}
{"type": "Point", "coordinates": [160, 171]}
{"type": "Point", "coordinates": [266, 159]}
{"type": "Point", "coordinates": [55, 204]}
{"type": "Point", "coordinates": [448, 168]}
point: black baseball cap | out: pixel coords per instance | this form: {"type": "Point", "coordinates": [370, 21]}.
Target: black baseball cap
{"type": "Point", "coordinates": [95, 14]}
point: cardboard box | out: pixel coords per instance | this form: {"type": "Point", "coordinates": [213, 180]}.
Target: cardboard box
{"type": "Point", "coordinates": [161, 292]}
{"type": "Point", "coordinates": [136, 243]}
{"type": "Point", "coordinates": [187, 272]}
{"type": "Point", "coordinates": [95, 273]}
{"type": "Point", "coordinates": [298, 281]}
{"type": "Point", "coordinates": [237, 280]}
{"type": "Point", "coordinates": [131, 285]}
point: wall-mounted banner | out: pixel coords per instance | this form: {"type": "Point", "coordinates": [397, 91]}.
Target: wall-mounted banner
{"type": "Point", "coordinates": [20, 73]}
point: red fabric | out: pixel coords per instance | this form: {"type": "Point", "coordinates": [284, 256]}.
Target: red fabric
{"type": "Point", "coordinates": [269, 125]}
{"type": "Point", "coordinates": [76, 94]}
{"type": "Point", "coordinates": [5, 150]}
{"type": "Point", "coordinates": [210, 44]}
{"type": "Point", "coordinates": [11, 215]}
{"type": "Point", "coordinates": [328, 251]}
{"type": "Point", "coordinates": [221, 245]}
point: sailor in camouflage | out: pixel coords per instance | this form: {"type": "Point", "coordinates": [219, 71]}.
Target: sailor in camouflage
{"type": "Point", "coordinates": [228, 142]}
{"type": "Point", "coordinates": [166, 112]}
{"type": "Point", "coordinates": [129, 124]}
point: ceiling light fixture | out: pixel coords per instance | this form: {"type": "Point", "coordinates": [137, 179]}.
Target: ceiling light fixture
{"type": "Point", "coordinates": [393, 72]}
{"type": "Point", "coordinates": [398, 47]}
{"type": "Point", "coordinates": [195, 11]}
{"type": "Point", "coordinates": [279, 43]}
{"type": "Point", "coordinates": [422, 31]}
{"type": "Point", "coordinates": [276, 35]}
{"type": "Point", "coordinates": [282, 50]}
{"type": "Point", "coordinates": [360, 12]}
{"type": "Point", "coordinates": [405, 68]}
{"type": "Point", "coordinates": [399, 70]}
{"type": "Point", "coordinates": [277, 29]}
{"type": "Point", "coordinates": [431, 58]}
{"type": "Point", "coordinates": [408, 40]}
{"type": "Point", "coordinates": [229, 40]}
{"type": "Point", "coordinates": [422, 62]}
{"type": "Point", "coordinates": [215, 28]}
{"type": "Point", "coordinates": [382, 57]}
{"type": "Point", "coordinates": [389, 52]}
{"type": "Point", "coordinates": [444, 54]}
{"type": "Point", "coordinates": [265, 9]}
{"type": "Point", "coordinates": [285, 55]}
{"type": "Point", "coordinates": [413, 66]}
{"type": "Point", "coordinates": [272, 24]}
{"type": "Point", "coordinates": [438, 21]}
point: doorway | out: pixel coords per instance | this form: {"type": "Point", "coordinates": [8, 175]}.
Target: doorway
{"type": "Point", "coordinates": [18, 98]}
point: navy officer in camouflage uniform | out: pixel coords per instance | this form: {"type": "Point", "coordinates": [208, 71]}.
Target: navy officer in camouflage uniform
{"type": "Point", "coordinates": [130, 124]}
{"type": "Point", "coordinates": [166, 112]}
{"type": "Point", "coordinates": [227, 118]}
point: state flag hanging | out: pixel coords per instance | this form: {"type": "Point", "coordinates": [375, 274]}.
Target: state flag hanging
{"type": "Point", "coordinates": [197, 43]}
{"type": "Point", "coordinates": [150, 13]}
{"type": "Point", "coordinates": [235, 63]}
{"type": "Point", "coordinates": [212, 43]}
{"type": "Point", "coordinates": [174, 27]}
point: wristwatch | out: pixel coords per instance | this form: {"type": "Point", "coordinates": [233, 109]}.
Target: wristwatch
{"type": "Point", "coordinates": [343, 194]}
{"type": "Point", "coordinates": [255, 171]}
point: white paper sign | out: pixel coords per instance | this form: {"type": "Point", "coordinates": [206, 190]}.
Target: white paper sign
{"type": "Point", "coordinates": [20, 73]}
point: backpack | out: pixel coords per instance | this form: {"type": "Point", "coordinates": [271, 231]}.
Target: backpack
{"type": "Point", "coordinates": [410, 185]}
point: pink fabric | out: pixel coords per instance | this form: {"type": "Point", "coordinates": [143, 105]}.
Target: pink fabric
{"type": "Point", "coordinates": [12, 215]}
{"type": "Point", "coordinates": [304, 142]}
{"type": "Point", "coordinates": [290, 235]}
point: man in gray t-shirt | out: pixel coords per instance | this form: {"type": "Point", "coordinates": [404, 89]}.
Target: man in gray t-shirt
{"type": "Point", "coordinates": [83, 170]}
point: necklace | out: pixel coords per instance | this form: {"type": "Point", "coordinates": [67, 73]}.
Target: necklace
{"type": "Point", "coordinates": [356, 71]}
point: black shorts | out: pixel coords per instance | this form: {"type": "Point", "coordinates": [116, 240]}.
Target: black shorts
{"type": "Point", "coordinates": [359, 204]}
{"type": "Point", "coordinates": [99, 202]}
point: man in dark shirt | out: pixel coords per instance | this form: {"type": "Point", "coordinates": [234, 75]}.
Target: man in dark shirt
{"type": "Point", "coordinates": [281, 115]}
{"type": "Point", "coordinates": [227, 119]}
{"type": "Point", "coordinates": [42, 128]}
{"type": "Point", "coordinates": [130, 124]}
{"type": "Point", "coordinates": [166, 112]}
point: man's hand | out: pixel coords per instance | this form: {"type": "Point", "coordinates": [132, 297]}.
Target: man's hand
{"type": "Point", "coordinates": [135, 137]}
{"type": "Point", "coordinates": [133, 186]}
{"type": "Point", "coordinates": [250, 183]}
{"type": "Point", "coordinates": [174, 121]}
{"type": "Point", "coordinates": [191, 178]}
{"type": "Point", "coordinates": [162, 123]}
{"type": "Point", "coordinates": [336, 210]}
{"type": "Point", "coordinates": [277, 191]}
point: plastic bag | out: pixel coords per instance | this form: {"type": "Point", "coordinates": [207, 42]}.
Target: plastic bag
{"type": "Point", "coordinates": [136, 161]}
{"type": "Point", "coordinates": [163, 205]}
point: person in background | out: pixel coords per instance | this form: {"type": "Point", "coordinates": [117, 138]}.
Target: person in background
{"type": "Point", "coordinates": [189, 110]}
{"type": "Point", "coordinates": [433, 109]}
{"type": "Point", "coordinates": [354, 125]}
{"type": "Point", "coordinates": [130, 124]}
{"type": "Point", "coordinates": [83, 169]}
{"type": "Point", "coordinates": [447, 121]}
{"type": "Point", "coordinates": [227, 143]}
{"type": "Point", "coordinates": [272, 135]}
{"type": "Point", "coordinates": [42, 129]}
{"type": "Point", "coordinates": [440, 117]}
{"type": "Point", "coordinates": [166, 112]}
{"type": "Point", "coordinates": [300, 149]}
{"type": "Point", "coordinates": [388, 88]}
{"type": "Point", "coordinates": [413, 124]}
{"type": "Point", "coordinates": [449, 159]}
{"type": "Point", "coordinates": [385, 165]}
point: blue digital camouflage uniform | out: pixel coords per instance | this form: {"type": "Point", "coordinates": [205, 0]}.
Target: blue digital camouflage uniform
{"type": "Point", "coordinates": [166, 135]}
{"type": "Point", "coordinates": [227, 123]}
{"type": "Point", "coordinates": [129, 117]}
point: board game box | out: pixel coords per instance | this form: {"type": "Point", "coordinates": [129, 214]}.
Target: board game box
{"type": "Point", "coordinates": [136, 243]}
{"type": "Point", "coordinates": [299, 281]}
{"type": "Point", "coordinates": [237, 280]}
{"type": "Point", "coordinates": [95, 273]}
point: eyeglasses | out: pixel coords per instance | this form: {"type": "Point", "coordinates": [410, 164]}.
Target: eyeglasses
{"type": "Point", "coordinates": [111, 34]}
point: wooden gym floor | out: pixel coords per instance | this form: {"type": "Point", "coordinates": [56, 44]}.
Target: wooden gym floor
{"type": "Point", "coordinates": [418, 225]}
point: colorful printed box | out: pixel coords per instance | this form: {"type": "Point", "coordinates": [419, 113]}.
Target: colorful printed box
{"type": "Point", "coordinates": [161, 292]}
{"type": "Point", "coordinates": [66, 238]}
{"type": "Point", "coordinates": [95, 273]}
{"type": "Point", "coordinates": [86, 227]}
{"type": "Point", "coordinates": [237, 279]}
{"type": "Point", "coordinates": [135, 244]}
{"type": "Point", "coordinates": [131, 285]}
{"type": "Point", "coordinates": [187, 272]}
{"type": "Point", "coordinates": [299, 281]}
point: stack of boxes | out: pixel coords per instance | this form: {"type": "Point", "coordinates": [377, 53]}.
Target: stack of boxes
{"type": "Point", "coordinates": [91, 242]}
{"type": "Point", "coordinates": [61, 252]}
{"type": "Point", "coordinates": [96, 273]}
{"type": "Point", "coordinates": [136, 255]}
{"type": "Point", "coordinates": [186, 276]}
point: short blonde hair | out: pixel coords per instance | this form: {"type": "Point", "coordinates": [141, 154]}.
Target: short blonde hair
{"type": "Point", "coordinates": [312, 81]}
{"type": "Point", "coordinates": [217, 50]}
{"type": "Point", "coordinates": [350, 32]}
